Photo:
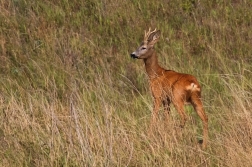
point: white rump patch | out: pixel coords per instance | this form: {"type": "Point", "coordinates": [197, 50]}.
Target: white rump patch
{"type": "Point", "coordinates": [193, 87]}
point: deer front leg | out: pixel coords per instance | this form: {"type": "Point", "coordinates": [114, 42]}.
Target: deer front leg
{"type": "Point", "coordinates": [166, 104]}
{"type": "Point", "coordinates": [154, 116]}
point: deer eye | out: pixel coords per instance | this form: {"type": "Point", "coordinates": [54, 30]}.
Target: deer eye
{"type": "Point", "coordinates": [143, 48]}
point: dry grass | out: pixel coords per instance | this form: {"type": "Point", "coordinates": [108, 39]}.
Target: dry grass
{"type": "Point", "coordinates": [71, 96]}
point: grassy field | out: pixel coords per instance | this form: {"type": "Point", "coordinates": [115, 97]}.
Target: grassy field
{"type": "Point", "coordinates": [70, 95]}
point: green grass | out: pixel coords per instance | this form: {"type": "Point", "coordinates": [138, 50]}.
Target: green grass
{"type": "Point", "coordinates": [71, 96]}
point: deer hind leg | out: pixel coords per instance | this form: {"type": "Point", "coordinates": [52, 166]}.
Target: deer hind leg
{"type": "Point", "coordinates": [198, 106]}
{"type": "Point", "coordinates": [180, 108]}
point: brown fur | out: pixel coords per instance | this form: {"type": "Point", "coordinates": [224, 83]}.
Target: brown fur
{"type": "Point", "coordinates": [169, 86]}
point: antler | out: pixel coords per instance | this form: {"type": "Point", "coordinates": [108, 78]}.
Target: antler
{"type": "Point", "coordinates": [147, 34]}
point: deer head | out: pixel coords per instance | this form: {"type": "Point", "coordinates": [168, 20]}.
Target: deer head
{"type": "Point", "coordinates": [145, 50]}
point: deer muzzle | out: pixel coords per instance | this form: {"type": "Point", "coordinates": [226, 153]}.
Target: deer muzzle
{"type": "Point", "coordinates": [133, 55]}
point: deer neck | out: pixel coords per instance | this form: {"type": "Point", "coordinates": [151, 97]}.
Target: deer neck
{"type": "Point", "coordinates": [152, 67]}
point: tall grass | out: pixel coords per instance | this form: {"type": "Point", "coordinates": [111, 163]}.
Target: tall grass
{"type": "Point", "coordinates": [71, 96]}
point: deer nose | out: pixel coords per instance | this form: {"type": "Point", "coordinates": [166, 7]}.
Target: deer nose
{"type": "Point", "coordinates": [133, 55]}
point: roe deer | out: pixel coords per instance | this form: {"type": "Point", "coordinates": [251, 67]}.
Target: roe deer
{"type": "Point", "coordinates": [168, 86]}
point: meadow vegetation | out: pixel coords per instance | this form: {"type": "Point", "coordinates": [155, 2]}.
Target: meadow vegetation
{"type": "Point", "coordinates": [70, 95]}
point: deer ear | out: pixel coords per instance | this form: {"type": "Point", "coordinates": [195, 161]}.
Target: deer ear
{"type": "Point", "coordinates": [156, 35]}
{"type": "Point", "coordinates": [153, 38]}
